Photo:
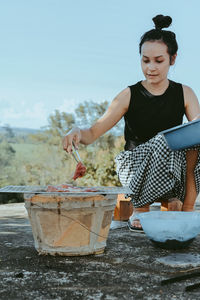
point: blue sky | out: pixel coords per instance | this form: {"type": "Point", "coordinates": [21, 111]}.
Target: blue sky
{"type": "Point", "coordinates": [55, 54]}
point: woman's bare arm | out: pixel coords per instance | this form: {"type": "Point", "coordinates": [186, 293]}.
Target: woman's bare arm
{"type": "Point", "coordinates": [114, 113]}
{"type": "Point", "coordinates": [192, 107]}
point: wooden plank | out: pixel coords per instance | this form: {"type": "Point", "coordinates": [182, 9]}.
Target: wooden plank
{"type": "Point", "coordinates": [123, 209]}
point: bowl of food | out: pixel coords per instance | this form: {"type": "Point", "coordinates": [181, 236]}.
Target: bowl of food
{"type": "Point", "coordinates": [183, 136]}
{"type": "Point", "coordinates": [171, 229]}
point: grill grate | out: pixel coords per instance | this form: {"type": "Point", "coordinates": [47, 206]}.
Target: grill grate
{"type": "Point", "coordinates": [42, 190]}
{"type": "Point", "coordinates": [22, 189]}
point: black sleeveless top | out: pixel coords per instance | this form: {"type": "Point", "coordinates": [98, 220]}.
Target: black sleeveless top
{"type": "Point", "coordinates": [149, 114]}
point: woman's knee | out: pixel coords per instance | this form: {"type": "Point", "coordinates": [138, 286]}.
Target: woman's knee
{"type": "Point", "coordinates": [191, 160]}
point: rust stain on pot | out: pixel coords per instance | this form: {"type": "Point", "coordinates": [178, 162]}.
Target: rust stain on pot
{"type": "Point", "coordinates": [59, 216]}
{"type": "Point", "coordinates": [107, 219]}
{"type": "Point", "coordinates": [59, 207]}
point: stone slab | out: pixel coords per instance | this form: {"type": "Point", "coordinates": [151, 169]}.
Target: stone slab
{"type": "Point", "coordinates": [181, 260]}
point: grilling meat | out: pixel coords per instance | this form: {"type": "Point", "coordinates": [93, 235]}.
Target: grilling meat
{"type": "Point", "coordinates": [80, 171]}
{"type": "Point", "coordinates": [69, 188]}
{"type": "Point", "coordinates": [59, 188]}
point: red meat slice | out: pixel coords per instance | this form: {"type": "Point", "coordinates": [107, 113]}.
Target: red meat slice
{"type": "Point", "coordinates": [69, 188]}
{"type": "Point", "coordinates": [80, 171]}
{"type": "Point", "coordinates": [57, 188]}
{"type": "Point", "coordinates": [52, 188]}
{"type": "Point", "coordinates": [66, 186]}
{"type": "Point", "coordinates": [90, 190]}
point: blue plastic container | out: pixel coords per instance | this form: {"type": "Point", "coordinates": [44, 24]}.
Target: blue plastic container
{"type": "Point", "coordinates": [183, 136]}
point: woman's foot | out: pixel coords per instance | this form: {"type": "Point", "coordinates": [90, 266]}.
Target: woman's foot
{"type": "Point", "coordinates": [174, 204]}
{"type": "Point", "coordinates": [134, 222]}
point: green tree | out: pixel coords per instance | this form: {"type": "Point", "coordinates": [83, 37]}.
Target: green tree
{"type": "Point", "coordinates": [60, 122]}
{"type": "Point", "coordinates": [7, 154]}
{"type": "Point", "coordinates": [88, 112]}
{"type": "Point", "coordinates": [42, 161]}
{"type": "Point", "coordinates": [9, 134]}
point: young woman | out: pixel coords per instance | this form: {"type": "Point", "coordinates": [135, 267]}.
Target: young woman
{"type": "Point", "coordinates": [147, 166]}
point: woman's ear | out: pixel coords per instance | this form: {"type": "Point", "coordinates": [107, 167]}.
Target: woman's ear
{"type": "Point", "coordinates": [172, 59]}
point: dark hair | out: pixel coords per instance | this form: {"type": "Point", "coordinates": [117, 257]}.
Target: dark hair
{"type": "Point", "coordinates": [157, 34]}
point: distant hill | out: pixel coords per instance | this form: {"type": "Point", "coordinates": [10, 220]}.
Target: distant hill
{"type": "Point", "coordinates": [20, 131]}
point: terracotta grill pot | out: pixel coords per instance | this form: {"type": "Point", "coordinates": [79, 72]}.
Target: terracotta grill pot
{"type": "Point", "coordinates": [70, 225]}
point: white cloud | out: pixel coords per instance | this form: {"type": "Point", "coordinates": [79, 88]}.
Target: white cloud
{"type": "Point", "coordinates": [68, 105]}
{"type": "Point", "coordinates": [19, 115]}
{"type": "Point", "coordinates": [33, 114]}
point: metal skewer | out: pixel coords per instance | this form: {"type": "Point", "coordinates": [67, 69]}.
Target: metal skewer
{"type": "Point", "coordinates": [74, 156]}
{"type": "Point", "coordinates": [78, 158]}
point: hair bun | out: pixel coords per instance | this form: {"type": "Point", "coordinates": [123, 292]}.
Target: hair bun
{"type": "Point", "coordinates": [161, 21]}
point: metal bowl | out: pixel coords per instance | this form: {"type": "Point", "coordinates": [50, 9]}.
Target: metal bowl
{"type": "Point", "coordinates": [171, 229]}
{"type": "Point", "coordinates": [183, 136]}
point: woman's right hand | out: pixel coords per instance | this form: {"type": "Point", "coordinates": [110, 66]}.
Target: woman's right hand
{"type": "Point", "coordinates": [74, 135]}
{"type": "Point", "coordinates": [114, 113]}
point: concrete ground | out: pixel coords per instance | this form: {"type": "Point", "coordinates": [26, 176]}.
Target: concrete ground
{"type": "Point", "coordinates": [129, 268]}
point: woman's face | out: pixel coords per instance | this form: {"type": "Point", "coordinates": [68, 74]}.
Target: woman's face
{"type": "Point", "coordinates": [155, 61]}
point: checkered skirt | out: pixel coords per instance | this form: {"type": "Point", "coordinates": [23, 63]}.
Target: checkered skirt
{"type": "Point", "coordinates": [153, 171]}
